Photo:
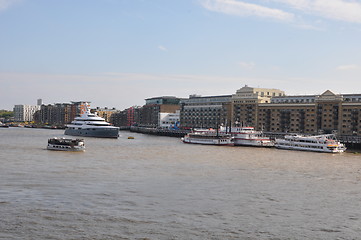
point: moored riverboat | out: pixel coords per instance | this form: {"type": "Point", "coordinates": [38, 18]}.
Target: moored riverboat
{"type": "Point", "coordinates": [66, 144]}
{"type": "Point", "coordinates": [247, 136]}
{"type": "Point", "coordinates": [321, 143]}
{"type": "Point", "coordinates": [208, 137]}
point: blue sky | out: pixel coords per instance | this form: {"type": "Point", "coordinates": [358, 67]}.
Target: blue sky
{"type": "Point", "coordinates": [116, 53]}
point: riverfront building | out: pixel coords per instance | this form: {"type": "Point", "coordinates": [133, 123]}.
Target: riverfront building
{"type": "Point", "coordinates": [56, 114]}
{"type": "Point", "coordinates": [105, 113]}
{"type": "Point", "coordinates": [314, 114]}
{"type": "Point", "coordinates": [169, 120]}
{"type": "Point", "coordinates": [271, 110]}
{"type": "Point", "coordinates": [205, 112]}
{"type": "Point", "coordinates": [126, 118]}
{"type": "Point", "coordinates": [245, 104]}
{"type": "Point", "coordinates": [151, 113]}
{"type": "Point", "coordinates": [157, 112]}
{"type": "Point", "coordinates": [24, 113]}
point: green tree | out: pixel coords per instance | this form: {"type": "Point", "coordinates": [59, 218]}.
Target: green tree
{"type": "Point", "coordinates": [6, 114]}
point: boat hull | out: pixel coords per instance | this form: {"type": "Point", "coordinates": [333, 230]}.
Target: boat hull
{"type": "Point", "coordinates": [321, 150]}
{"type": "Point", "coordinates": [218, 142]}
{"type": "Point", "coordinates": [64, 144]}
{"type": "Point", "coordinates": [94, 132]}
{"type": "Point", "coordinates": [320, 143]}
{"type": "Point", "coordinates": [65, 148]}
{"type": "Point", "coordinates": [253, 142]}
{"type": "Point", "coordinates": [247, 136]}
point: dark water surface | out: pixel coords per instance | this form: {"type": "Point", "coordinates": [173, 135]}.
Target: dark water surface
{"type": "Point", "coordinates": [159, 188]}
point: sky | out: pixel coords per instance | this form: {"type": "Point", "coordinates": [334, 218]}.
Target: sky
{"type": "Point", "coordinates": [116, 53]}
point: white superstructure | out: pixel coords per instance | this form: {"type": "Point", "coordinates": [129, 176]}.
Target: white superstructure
{"type": "Point", "coordinates": [65, 144]}
{"type": "Point", "coordinates": [208, 137]}
{"type": "Point", "coordinates": [247, 136]}
{"type": "Point", "coordinates": [91, 125]}
{"type": "Point", "coordinates": [320, 143]}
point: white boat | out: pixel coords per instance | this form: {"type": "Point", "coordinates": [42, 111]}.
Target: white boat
{"type": "Point", "coordinates": [91, 125]}
{"type": "Point", "coordinates": [3, 125]}
{"type": "Point", "coordinates": [66, 144]}
{"type": "Point", "coordinates": [208, 137]}
{"type": "Point", "coordinates": [247, 136]}
{"type": "Point", "coordinates": [321, 143]}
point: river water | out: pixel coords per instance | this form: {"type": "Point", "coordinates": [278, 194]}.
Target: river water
{"type": "Point", "coordinates": [159, 188]}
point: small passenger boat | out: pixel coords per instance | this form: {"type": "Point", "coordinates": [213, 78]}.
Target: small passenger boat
{"type": "Point", "coordinates": [3, 125]}
{"type": "Point", "coordinates": [321, 143]}
{"type": "Point", "coordinates": [208, 137]}
{"type": "Point", "coordinates": [66, 144]}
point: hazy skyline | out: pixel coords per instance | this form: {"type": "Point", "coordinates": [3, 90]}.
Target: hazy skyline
{"type": "Point", "coordinates": [116, 53]}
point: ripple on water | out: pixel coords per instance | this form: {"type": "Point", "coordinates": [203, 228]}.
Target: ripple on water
{"type": "Point", "coordinates": [160, 188]}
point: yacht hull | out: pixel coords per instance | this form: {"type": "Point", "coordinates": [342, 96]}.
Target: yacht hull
{"type": "Point", "coordinates": [253, 142]}
{"type": "Point", "coordinates": [94, 132]}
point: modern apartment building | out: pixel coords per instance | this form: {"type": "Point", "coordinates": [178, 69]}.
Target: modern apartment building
{"type": "Point", "coordinates": [169, 120]}
{"type": "Point", "coordinates": [57, 114]}
{"type": "Point", "coordinates": [205, 112]}
{"type": "Point", "coordinates": [149, 114]}
{"type": "Point", "coordinates": [126, 118]}
{"type": "Point", "coordinates": [24, 113]}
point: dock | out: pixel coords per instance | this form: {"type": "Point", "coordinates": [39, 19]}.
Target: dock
{"type": "Point", "coordinates": [160, 132]}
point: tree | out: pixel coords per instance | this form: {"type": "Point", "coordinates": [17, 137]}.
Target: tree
{"type": "Point", "coordinates": [6, 114]}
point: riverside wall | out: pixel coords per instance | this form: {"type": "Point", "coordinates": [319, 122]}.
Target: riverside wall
{"type": "Point", "coordinates": [351, 142]}
{"type": "Point", "coordinates": [159, 132]}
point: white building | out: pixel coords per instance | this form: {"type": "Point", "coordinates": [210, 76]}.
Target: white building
{"type": "Point", "coordinates": [169, 120]}
{"type": "Point", "coordinates": [24, 113]}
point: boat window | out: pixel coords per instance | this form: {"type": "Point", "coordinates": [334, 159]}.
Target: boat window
{"type": "Point", "coordinates": [88, 119]}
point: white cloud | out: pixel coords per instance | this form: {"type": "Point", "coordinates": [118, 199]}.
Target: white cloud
{"type": "Point", "coordinates": [240, 8]}
{"type": "Point", "coordinates": [162, 48]}
{"type": "Point", "coordinates": [5, 4]}
{"type": "Point", "coordinates": [349, 11]}
{"type": "Point", "coordinates": [348, 67]}
{"type": "Point", "coordinates": [289, 10]}
{"type": "Point", "coordinates": [247, 65]}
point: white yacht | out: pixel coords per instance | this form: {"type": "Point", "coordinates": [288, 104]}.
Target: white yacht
{"type": "Point", "coordinates": [320, 143]}
{"type": "Point", "coordinates": [247, 136]}
{"type": "Point", "coordinates": [91, 125]}
{"type": "Point", "coordinates": [208, 137]}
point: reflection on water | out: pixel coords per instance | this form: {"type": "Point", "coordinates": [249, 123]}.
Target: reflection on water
{"type": "Point", "coordinates": [159, 188]}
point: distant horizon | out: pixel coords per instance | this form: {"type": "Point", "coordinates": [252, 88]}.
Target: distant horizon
{"type": "Point", "coordinates": [118, 53]}
{"type": "Point", "coordinates": [134, 105]}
